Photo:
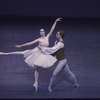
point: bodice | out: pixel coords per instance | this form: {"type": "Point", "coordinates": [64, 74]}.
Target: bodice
{"type": "Point", "coordinates": [44, 42]}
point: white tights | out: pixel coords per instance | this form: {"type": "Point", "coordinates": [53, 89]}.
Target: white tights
{"type": "Point", "coordinates": [61, 64]}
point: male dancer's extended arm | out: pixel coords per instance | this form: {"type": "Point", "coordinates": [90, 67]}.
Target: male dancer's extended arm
{"type": "Point", "coordinates": [51, 50]}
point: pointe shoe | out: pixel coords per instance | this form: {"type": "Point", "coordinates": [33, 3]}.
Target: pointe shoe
{"type": "Point", "coordinates": [50, 90]}
{"type": "Point", "coordinates": [36, 86]}
{"type": "Point", "coordinates": [1, 53]}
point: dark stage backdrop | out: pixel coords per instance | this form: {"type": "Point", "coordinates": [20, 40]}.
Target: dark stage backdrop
{"type": "Point", "coordinates": [65, 8]}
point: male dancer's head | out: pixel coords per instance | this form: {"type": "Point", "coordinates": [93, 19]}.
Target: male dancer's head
{"type": "Point", "coordinates": [60, 34]}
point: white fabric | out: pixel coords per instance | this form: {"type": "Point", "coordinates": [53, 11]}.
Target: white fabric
{"type": "Point", "coordinates": [48, 50]}
{"type": "Point", "coordinates": [36, 57]}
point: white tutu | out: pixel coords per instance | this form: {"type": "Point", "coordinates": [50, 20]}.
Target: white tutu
{"type": "Point", "coordinates": [36, 57]}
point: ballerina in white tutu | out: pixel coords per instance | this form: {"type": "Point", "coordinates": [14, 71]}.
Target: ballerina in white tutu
{"type": "Point", "coordinates": [34, 57]}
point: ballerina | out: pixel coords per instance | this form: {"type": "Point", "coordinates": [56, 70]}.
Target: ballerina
{"type": "Point", "coordinates": [34, 57]}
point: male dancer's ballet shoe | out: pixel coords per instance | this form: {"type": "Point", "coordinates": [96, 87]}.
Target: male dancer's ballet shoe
{"type": "Point", "coordinates": [76, 85]}
{"type": "Point", "coordinates": [36, 86]}
{"type": "Point", "coordinates": [50, 90]}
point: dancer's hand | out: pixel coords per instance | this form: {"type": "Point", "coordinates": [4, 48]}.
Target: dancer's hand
{"type": "Point", "coordinates": [58, 19]}
{"type": "Point", "coordinates": [17, 46]}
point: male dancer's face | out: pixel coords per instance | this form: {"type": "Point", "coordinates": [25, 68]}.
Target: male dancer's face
{"type": "Point", "coordinates": [58, 35]}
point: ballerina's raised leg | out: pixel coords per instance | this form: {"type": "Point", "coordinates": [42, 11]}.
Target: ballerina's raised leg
{"type": "Point", "coordinates": [15, 53]}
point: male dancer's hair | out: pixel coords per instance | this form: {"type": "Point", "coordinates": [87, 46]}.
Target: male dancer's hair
{"type": "Point", "coordinates": [62, 34]}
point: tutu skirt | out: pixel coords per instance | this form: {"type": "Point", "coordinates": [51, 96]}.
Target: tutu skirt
{"type": "Point", "coordinates": [36, 57]}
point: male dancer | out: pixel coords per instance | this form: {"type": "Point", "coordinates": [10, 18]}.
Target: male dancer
{"type": "Point", "coordinates": [58, 51]}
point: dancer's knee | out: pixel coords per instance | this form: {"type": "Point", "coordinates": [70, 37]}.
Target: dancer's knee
{"type": "Point", "coordinates": [54, 74]}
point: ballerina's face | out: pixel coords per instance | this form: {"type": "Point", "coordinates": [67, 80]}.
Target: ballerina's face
{"type": "Point", "coordinates": [42, 32]}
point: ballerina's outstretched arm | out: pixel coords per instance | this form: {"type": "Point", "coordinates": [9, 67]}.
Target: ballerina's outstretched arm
{"type": "Point", "coordinates": [27, 44]}
{"type": "Point", "coordinates": [53, 27]}
{"type": "Point", "coordinates": [18, 46]}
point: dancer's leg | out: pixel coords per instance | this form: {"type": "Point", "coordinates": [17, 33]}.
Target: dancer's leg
{"type": "Point", "coordinates": [70, 75]}
{"type": "Point", "coordinates": [15, 53]}
{"type": "Point", "coordinates": [56, 71]}
{"type": "Point", "coordinates": [36, 74]}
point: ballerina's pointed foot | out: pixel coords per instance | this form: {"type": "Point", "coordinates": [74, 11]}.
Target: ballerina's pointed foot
{"type": "Point", "coordinates": [36, 86]}
{"type": "Point", "coordinates": [50, 90]}
{"type": "Point", "coordinates": [2, 53]}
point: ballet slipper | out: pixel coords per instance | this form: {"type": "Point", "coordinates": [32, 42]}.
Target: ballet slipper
{"type": "Point", "coordinates": [50, 90]}
{"type": "Point", "coordinates": [76, 85]}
